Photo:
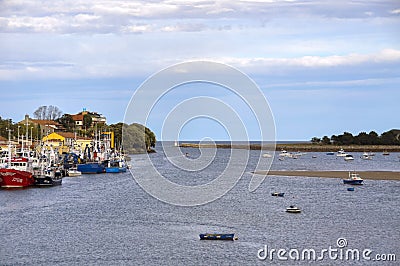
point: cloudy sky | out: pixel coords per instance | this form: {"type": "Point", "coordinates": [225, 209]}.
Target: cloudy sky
{"type": "Point", "coordinates": [324, 66]}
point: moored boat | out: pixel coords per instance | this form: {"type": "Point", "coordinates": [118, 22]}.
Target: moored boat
{"type": "Point", "coordinates": [341, 153]}
{"type": "Point", "coordinates": [91, 168]}
{"type": "Point", "coordinates": [218, 237]}
{"type": "Point", "coordinates": [73, 172]}
{"type": "Point", "coordinates": [293, 209]}
{"type": "Point", "coordinates": [49, 177]}
{"type": "Point", "coordinates": [366, 156]}
{"type": "Point", "coordinates": [354, 179]}
{"type": "Point", "coordinates": [116, 166]}
{"type": "Point", "coordinates": [348, 157]}
{"type": "Point", "coordinates": [278, 194]}
{"type": "Point", "coordinates": [13, 178]}
{"type": "Point", "coordinates": [17, 174]}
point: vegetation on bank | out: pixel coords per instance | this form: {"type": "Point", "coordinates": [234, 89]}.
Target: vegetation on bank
{"type": "Point", "coordinates": [302, 147]}
{"type": "Point", "coordinates": [391, 137]}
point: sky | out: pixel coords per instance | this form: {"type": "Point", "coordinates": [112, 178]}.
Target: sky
{"type": "Point", "coordinates": [325, 67]}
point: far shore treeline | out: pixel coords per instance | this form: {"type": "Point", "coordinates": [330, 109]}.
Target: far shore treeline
{"type": "Point", "coordinates": [391, 137]}
{"type": "Point", "coordinates": [133, 138]}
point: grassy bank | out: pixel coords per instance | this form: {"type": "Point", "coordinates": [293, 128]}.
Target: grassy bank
{"type": "Point", "coordinates": [303, 147]}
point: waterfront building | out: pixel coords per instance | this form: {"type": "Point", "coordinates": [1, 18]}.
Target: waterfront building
{"type": "Point", "coordinates": [97, 119]}
{"type": "Point", "coordinates": [64, 141]}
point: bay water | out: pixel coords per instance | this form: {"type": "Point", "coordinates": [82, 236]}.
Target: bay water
{"type": "Point", "coordinates": [108, 219]}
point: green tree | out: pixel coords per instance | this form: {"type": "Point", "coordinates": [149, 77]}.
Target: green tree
{"type": "Point", "coordinates": [67, 122]}
{"type": "Point", "coordinates": [389, 138]}
{"type": "Point", "coordinates": [345, 139]}
{"type": "Point", "coordinates": [326, 140]}
{"type": "Point", "coordinates": [137, 138]}
{"type": "Point", "coordinates": [315, 140]}
{"type": "Point", "coordinates": [335, 140]}
{"type": "Point", "coordinates": [87, 121]}
{"type": "Point", "coordinates": [373, 138]}
{"type": "Point", "coordinates": [362, 139]}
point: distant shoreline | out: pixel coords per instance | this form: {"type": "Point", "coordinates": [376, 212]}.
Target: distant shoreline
{"type": "Point", "coordinates": [374, 175]}
{"type": "Point", "coordinates": [302, 147]}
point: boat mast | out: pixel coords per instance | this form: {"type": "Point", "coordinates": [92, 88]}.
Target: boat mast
{"type": "Point", "coordinates": [27, 136]}
{"type": "Point", "coordinates": [9, 147]}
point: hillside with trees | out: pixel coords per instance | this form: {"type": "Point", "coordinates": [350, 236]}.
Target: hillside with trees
{"type": "Point", "coordinates": [137, 138]}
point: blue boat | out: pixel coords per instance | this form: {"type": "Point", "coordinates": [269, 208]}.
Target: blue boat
{"type": "Point", "coordinates": [91, 168]}
{"type": "Point", "coordinates": [278, 194]}
{"type": "Point", "coordinates": [218, 237]}
{"type": "Point", "coordinates": [115, 169]}
{"type": "Point", "coordinates": [330, 153]}
{"type": "Point", "coordinates": [350, 189]}
{"type": "Point", "coordinates": [117, 166]}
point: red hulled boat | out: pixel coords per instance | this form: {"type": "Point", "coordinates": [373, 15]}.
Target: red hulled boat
{"type": "Point", "coordinates": [17, 175]}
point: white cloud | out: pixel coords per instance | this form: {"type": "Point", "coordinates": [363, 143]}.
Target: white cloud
{"type": "Point", "coordinates": [119, 67]}
{"type": "Point", "coordinates": [395, 11]}
{"type": "Point", "coordinates": [384, 56]}
{"type": "Point", "coordinates": [99, 16]}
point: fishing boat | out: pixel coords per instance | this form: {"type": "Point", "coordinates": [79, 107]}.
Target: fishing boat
{"type": "Point", "coordinates": [354, 179]}
{"type": "Point", "coordinates": [293, 209]}
{"type": "Point", "coordinates": [49, 177]}
{"type": "Point", "coordinates": [278, 194]}
{"type": "Point", "coordinates": [284, 153]}
{"type": "Point", "coordinates": [12, 178]}
{"type": "Point", "coordinates": [341, 153]}
{"type": "Point", "coordinates": [91, 168]}
{"type": "Point", "coordinates": [366, 156]}
{"type": "Point", "coordinates": [116, 166]}
{"type": "Point", "coordinates": [218, 237]}
{"type": "Point", "coordinates": [18, 173]}
{"type": "Point", "coordinates": [348, 157]}
{"type": "Point", "coordinates": [73, 171]}
{"type": "Point", "coordinates": [267, 155]}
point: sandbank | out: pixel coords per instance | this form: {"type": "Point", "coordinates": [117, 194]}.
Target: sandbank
{"type": "Point", "coordinates": [375, 175]}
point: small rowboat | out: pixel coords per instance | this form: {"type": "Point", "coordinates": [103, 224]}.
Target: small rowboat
{"type": "Point", "coordinates": [278, 194]}
{"type": "Point", "coordinates": [218, 237]}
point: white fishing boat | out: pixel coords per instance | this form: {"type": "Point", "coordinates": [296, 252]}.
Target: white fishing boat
{"type": "Point", "coordinates": [366, 156]}
{"type": "Point", "coordinates": [267, 155]}
{"type": "Point", "coordinates": [341, 153]}
{"type": "Point", "coordinates": [348, 157]}
{"type": "Point", "coordinates": [293, 209]}
{"type": "Point", "coordinates": [284, 154]}
{"type": "Point", "coordinates": [74, 172]}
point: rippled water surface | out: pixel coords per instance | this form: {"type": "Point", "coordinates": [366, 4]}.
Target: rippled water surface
{"type": "Point", "coordinates": [107, 219]}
